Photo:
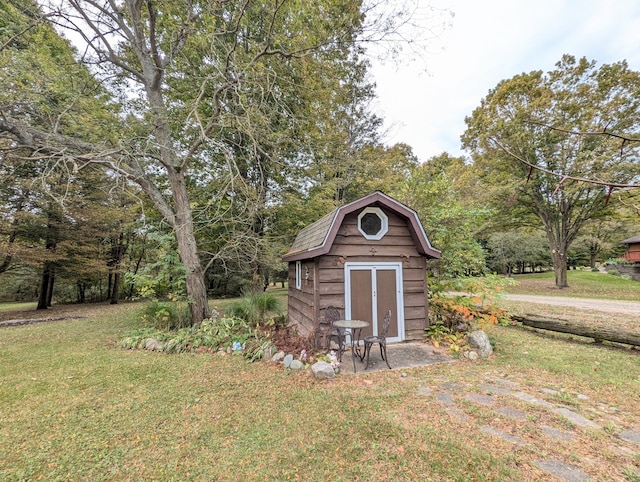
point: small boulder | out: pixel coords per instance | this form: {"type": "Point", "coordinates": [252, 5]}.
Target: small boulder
{"type": "Point", "coordinates": [323, 370]}
{"type": "Point", "coordinates": [479, 342]}
{"type": "Point", "coordinates": [296, 365]}
{"type": "Point", "coordinates": [152, 344]}
{"type": "Point", "coordinates": [287, 361]}
{"type": "Point", "coordinates": [471, 355]}
{"type": "Point", "coordinates": [278, 357]}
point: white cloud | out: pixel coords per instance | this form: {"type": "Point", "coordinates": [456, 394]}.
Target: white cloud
{"type": "Point", "coordinates": [492, 40]}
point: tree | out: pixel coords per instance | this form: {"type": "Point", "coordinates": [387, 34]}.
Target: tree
{"type": "Point", "coordinates": [515, 250]}
{"type": "Point", "coordinates": [529, 166]}
{"type": "Point", "coordinates": [452, 220]}
{"type": "Point", "coordinates": [188, 74]}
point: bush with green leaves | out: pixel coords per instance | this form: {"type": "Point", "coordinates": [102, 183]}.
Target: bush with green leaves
{"type": "Point", "coordinates": [165, 315]}
{"type": "Point", "coordinates": [262, 308]}
{"type": "Point", "coordinates": [212, 334]}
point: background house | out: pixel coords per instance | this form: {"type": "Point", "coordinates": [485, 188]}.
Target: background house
{"type": "Point", "coordinates": [633, 249]}
{"type": "Point", "coordinates": [364, 258]}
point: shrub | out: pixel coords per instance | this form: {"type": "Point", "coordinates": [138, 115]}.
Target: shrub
{"type": "Point", "coordinates": [165, 315]}
{"type": "Point", "coordinates": [255, 308]}
{"type": "Point", "coordinates": [226, 334]}
{"type": "Point", "coordinates": [617, 262]}
{"type": "Point", "coordinates": [450, 317]}
{"type": "Point", "coordinates": [613, 272]}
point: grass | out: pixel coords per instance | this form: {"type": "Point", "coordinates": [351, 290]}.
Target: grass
{"type": "Point", "coordinates": [17, 306]}
{"type": "Point", "coordinates": [72, 407]}
{"type": "Point", "coordinates": [582, 284]}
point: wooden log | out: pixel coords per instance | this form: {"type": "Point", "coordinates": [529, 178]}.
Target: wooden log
{"type": "Point", "coordinates": [598, 332]}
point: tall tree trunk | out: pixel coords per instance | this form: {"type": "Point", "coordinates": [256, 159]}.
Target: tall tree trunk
{"type": "Point", "coordinates": [82, 289]}
{"type": "Point", "coordinates": [115, 288]}
{"type": "Point", "coordinates": [187, 249]}
{"type": "Point", "coordinates": [44, 286]}
{"type": "Point", "coordinates": [52, 277]}
{"type": "Point", "coordinates": [560, 268]}
{"type": "Point", "coordinates": [109, 284]}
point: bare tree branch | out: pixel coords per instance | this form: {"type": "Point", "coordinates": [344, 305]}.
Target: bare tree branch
{"type": "Point", "coordinates": [611, 185]}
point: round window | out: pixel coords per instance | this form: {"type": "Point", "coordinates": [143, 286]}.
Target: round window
{"type": "Point", "coordinates": [373, 223]}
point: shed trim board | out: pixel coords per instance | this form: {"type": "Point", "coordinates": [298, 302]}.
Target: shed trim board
{"type": "Point", "coordinates": [377, 310]}
{"type": "Point", "coordinates": [331, 223]}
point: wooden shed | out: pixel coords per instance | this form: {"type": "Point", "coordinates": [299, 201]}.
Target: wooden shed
{"type": "Point", "coordinates": [633, 250]}
{"type": "Point", "coordinates": [364, 258]}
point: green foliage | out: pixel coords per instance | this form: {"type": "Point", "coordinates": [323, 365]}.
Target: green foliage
{"type": "Point", "coordinates": [165, 315]}
{"type": "Point", "coordinates": [441, 192]}
{"type": "Point", "coordinates": [521, 158]}
{"type": "Point", "coordinates": [450, 317]}
{"type": "Point", "coordinates": [613, 272]}
{"type": "Point", "coordinates": [482, 289]}
{"type": "Point", "coordinates": [617, 262]}
{"type": "Point", "coordinates": [439, 334]}
{"type": "Point", "coordinates": [256, 308]}
{"type": "Point", "coordinates": [517, 250]}
{"type": "Point", "coordinates": [163, 278]}
{"type": "Point", "coordinates": [632, 474]}
{"type": "Point", "coordinates": [224, 334]}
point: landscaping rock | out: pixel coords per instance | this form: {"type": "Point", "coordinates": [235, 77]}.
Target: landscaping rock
{"type": "Point", "coordinates": [512, 413]}
{"type": "Point", "coordinates": [555, 433]}
{"type": "Point", "coordinates": [495, 389]}
{"type": "Point", "coordinates": [480, 398]}
{"type": "Point", "coordinates": [562, 470]}
{"type": "Point", "coordinates": [444, 397]}
{"type": "Point", "coordinates": [424, 391]}
{"type": "Point", "coordinates": [532, 400]}
{"type": "Point", "coordinates": [278, 357]}
{"type": "Point", "coordinates": [322, 370]}
{"type": "Point", "coordinates": [152, 344]}
{"type": "Point", "coordinates": [479, 342]}
{"type": "Point", "coordinates": [503, 435]}
{"type": "Point", "coordinates": [576, 418]}
{"type": "Point", "coordinates": [296, 365]}
{"type": "Point", "coordinates": [630, 436]}
{"type": "Point", "coordinates": [471, 355]}
{"type": "Point", "coordinates": [287, 361]}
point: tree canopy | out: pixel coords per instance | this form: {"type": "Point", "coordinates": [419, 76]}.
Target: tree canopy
{"type": "Point", "coordinates": [528, 165]}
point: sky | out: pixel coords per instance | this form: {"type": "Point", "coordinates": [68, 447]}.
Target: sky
{"type": "Point", "coordinates": [489, 41]}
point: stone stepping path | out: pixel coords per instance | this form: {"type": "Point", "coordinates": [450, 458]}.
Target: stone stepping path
{"type": "Point", "coordinates": [448, 393]}
{"type": "Point", "coordinates": [562, 470]}
{"type": "Point", "coordinates": [576, 419]}
{"type": "Point", "coordinates": [630, 436]}
{"type": "Point", "coordinates": [503, 435]}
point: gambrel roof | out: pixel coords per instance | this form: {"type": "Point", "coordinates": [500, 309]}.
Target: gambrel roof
{"type": "Point", "coordinates": [317, 238]}
{"type": "Point", "coordinates": [634, 240]}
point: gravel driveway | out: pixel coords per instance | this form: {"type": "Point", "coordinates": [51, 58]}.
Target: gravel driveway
{"type": "Point", "coordinates": [610, 306]}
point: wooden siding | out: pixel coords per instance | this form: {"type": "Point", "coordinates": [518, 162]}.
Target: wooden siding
{"type": "Point", "coordinates": [396, 245]}
{"type": "Point", "coordinates": [633, 253]}
{"type": "Point", "coordinates": [326, 283]}
{"type": "Point", "coordinates": [301, 302]}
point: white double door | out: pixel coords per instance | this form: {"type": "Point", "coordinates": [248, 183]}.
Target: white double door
{"type": "Point", "coordinates": [370, 290]}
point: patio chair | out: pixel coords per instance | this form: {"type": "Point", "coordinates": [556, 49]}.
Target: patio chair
{"type": "Point", "coordinates": [380, 339]}
{"type": "Point", "coordinates": [332, 314]}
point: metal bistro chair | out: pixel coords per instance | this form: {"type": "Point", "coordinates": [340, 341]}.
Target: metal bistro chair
{"type": "Point", "coordinates": [331, 315]}
{"type": "Point", "coordinates": [380, 339]}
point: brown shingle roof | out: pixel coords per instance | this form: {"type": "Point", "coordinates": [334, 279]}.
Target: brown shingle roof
{"type": "Point", "coordinates": [313, 235]}
{"type": "Point", "coordinates": [634, 240]}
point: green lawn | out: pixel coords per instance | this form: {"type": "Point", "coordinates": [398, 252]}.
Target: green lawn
{"type": "Point", "coordinates": [582, 284]}
{"type": "Point", "coordinates": [31, 305]}
{"type": "Point", "coordinates": [73, 407]}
